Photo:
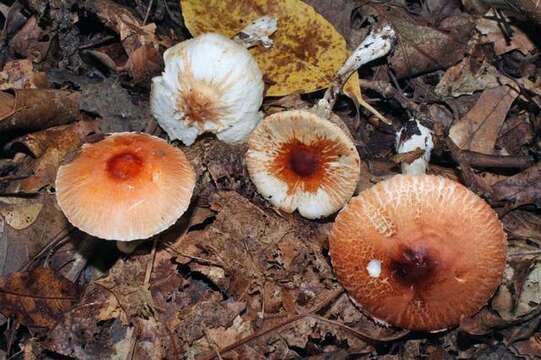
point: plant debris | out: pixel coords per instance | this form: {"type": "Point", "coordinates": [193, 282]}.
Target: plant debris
{"type": "Point", "coordinates": [235, 277]}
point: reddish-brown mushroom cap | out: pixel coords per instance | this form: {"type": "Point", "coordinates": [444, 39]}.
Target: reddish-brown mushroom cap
{"type": "Point", "coordinates": [126, 187]}
{"type": "Point", "coordinates": [418, 252]}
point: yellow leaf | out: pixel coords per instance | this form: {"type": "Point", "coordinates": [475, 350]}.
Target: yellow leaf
{"type": "Point", "coordinates": [307, 50]}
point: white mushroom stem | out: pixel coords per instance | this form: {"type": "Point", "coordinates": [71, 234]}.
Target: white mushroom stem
{"type": "Point", "coordinates": [412, 136]}
{"type": "Point", "coordinates": [377, 44]}
{"type": "Point", "coordinates": [257, 32]}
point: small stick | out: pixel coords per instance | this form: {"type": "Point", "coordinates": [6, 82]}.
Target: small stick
{"type": "Point", "coordinates": [480, 160]}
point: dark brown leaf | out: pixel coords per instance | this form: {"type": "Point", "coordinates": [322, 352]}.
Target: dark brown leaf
{"type": "Point", "coordinates": [520, 189]}
{"type": "Point", "coordinates": [37, 298]}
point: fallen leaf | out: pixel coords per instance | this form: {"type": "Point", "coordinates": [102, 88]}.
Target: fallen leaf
{"type": "Point", "coordinates": [478, 130]}
{"type": "Point", "coordinates": [37, 298]}
{"type": "Point", "coordinates": [19, 74]}
{"type": "Point", "coordinates": [307, 51]}
{"type": "Point", "coordinates": [49, 148]}
{"type": "Point", "coordinates": [113, 103]}
{"type": "Point", "coordinates": [36, 109]}
{"type": "Point", "coordinates": [520, 224]}
{"type": "Point", "coordinates": [338, 13]}
{"type": "Point", "coordinates": [490, 28]}
{"type": "Point", "coordinates": [530, 348]}
{"type": "Point", "coordinates": [520, 189]}
{"type": "Point", "coordinates": [89, 330]}
{"type": "Point", "coordinates": [29, 42]}
{"type": "Point", "coordinates": [138, 40]}
{"type": "Point", "coordinates": [469, 76]}
{"type": "Point", "coordinates": [20, 246]}
{"type": "Point", "coordinates": [422, 47]}
{"type": "Point", "coordinates": [516, 134]}
{"type": "Point", "coordinates": [19, 213]}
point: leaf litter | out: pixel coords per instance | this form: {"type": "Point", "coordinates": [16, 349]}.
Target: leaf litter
{"type": "Point", "coordinates": [235, 278]}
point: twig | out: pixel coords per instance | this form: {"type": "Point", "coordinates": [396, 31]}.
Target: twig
{"type": "Point", "coordinates": [469, 177]}
{"type": "Point", "coordinates": [150, 265]}
{"type": "Point", "coordinates": [285, 323]}
{"type": "Point", "coordinates": [480, 160]}
{"type": "Point", "coordinates": [148, 12]}
{"type": "Point", "coordinates": [357, 333]}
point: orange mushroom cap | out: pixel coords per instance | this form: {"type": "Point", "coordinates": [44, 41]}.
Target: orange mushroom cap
{"type": "Point", "coordinates": [126, 187]}
{"type": "Point", "coordinates": [419, 252]}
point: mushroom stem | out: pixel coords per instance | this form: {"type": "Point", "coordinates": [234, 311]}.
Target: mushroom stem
{"type": "Point", "coordinates": [257, 32]}
{"type": "Point", "coordinates": [128, 247]}
{"type": "Point", "coordinates": [412, 136]}
{"type": "Point", "coordinates": [377, 44]}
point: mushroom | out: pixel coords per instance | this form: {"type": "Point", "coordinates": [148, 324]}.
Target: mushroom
{"type": "Point", "coordinates": [418, 252]}
{"type": "Point", "coordinates": [305, 160]}
{"type": "Point", "coordinates": [126, 187]}
{"type": "Point", "coordinates": [210, 84]}
{"type": "Point", "coordinates": [413, 136]}
{"type": "Point", "coordinates": [299, 161]}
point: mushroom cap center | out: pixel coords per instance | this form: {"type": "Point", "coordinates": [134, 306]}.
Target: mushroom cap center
{"type": "Point", "coordinates": [414, 266]}
{"type": "Point", "coordinates": [201, 103]}
{"type": "Point", "coordinates": [124, 166]}
{"type": "Point", "coordinates": [304, 161]}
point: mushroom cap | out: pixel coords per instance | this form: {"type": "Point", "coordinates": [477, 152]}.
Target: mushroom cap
{"type": "Point", "coordinates": [441, 250]}
{"type": "Point", "coordinates": [209, 84]}
{"type": "Point", "coordinates": [126, 187]}
{"type": "Point", "coordinates": [299, 161]}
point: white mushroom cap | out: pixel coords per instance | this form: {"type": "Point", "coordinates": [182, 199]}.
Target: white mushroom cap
{"type": "Point", "coordinates": [210, 84]}
{"type": "Point", "coordinates": [299, 161]}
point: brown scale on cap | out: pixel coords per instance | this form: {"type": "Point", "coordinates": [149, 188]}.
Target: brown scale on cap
{"type": "Point", "coordinates": [126, 187]}
{"type": "Point", "coordinates": [441, 248]}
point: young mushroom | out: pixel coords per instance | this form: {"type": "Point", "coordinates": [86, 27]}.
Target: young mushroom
{"type": "Point", "coordinates": [212, 84]}
{"type": "Point", "coordinates": [305, 160]}
{"type": "Point", "coordinates": [411, 137]}
{"type": "Point", "coordinates": [418, 252]}
{"type": "Point", "coordinates": [127, 187]}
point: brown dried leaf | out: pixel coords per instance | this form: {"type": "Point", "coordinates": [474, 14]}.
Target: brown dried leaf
{"type": "Point", "coordinates": [37, 298]}
{"type": "Point", "coordinates": [49, 148]}
{"type": "Point", "coordinates": [422, 47]}
{"type": "Point", "coordinates": [139, 41]}
{"type": "Point", "coordinates": [252, 244]}
{"type": "Point", "coordinates": [520, 224]}
{"type": "Point", "coordinates": [19, 246]}
{"type": "Point", "coordinates": [115, 106]}
{"type": "Point", "coordinates": [520, 189]}
{"type": "Point", "coordinates": [478, 130]}
{"type": "Point", "coordinates": [36, 109]}
{"type": "Point", "coordinates": [28, 42]}
{"type": "Point", "coordinates": [490, 28]}
{"type": "Point", "coordinates": [530, 348]}
{"type": "Point", "coordinates": [469, 76]}
{"type": "Point", "coordinates": [92, 329]}
{"type": "Point", "coordinates": [19, 74]}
